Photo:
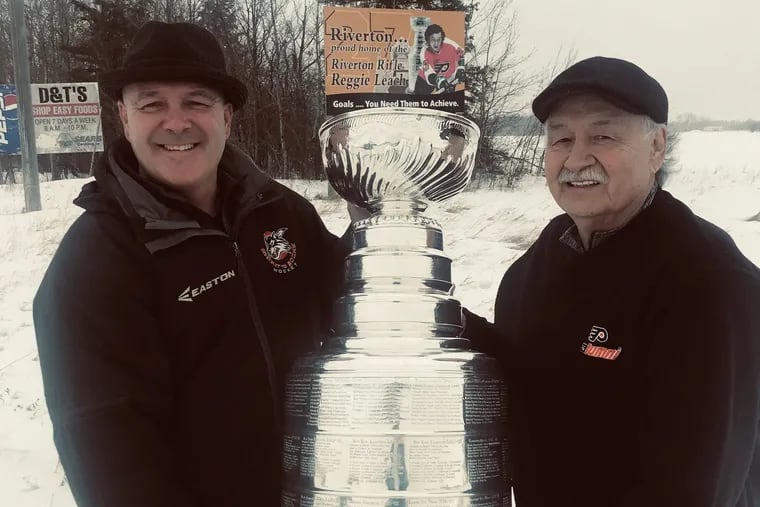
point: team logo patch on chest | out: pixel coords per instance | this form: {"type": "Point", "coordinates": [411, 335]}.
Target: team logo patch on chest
{"type": "Point", "coordinates": [280, 252]}
{"type": "Point", "coordinates": [591, 346]}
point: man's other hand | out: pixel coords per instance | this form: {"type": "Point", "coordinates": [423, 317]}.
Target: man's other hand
{"type": "Point", "coordinates": [357, 213]}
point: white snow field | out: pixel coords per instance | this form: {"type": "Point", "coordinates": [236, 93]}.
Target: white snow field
{"type": "Point", "coordinates": [718, 175]}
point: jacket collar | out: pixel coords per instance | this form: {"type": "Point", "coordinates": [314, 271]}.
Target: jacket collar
{"type": "Point", "coordinates": [572, 238]}
{"type": "Point", "coordinates": [162, 218]}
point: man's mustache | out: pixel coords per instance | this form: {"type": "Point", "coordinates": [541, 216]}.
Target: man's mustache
{"type": "Point", "coordinates": [592, 173]}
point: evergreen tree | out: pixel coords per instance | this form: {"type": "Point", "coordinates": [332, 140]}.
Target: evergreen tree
{"type": "Point", "coordinates": [105, 29]}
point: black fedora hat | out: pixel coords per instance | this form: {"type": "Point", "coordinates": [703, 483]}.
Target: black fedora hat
{"type": "Point", "coordinates": [175, 52]}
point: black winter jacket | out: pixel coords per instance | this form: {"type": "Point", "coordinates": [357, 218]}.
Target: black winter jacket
{"type": "Point", "coordinates": [165, 335]}
{"type": "Point", "coordinates": [633, 368]}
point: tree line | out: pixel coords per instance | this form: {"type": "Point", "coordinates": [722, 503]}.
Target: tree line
{"type": "Point", "coordinates": [275, 46]}
{"type": "Point", "coordinates": [689, 121]}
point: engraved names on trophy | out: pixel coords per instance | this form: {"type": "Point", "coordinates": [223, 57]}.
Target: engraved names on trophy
{"type": "Point", "coordinates": [337, 402]}
{"type": "Point", "coordinates": [290, 499]}
{"type": "Point", "coordinates": [448, 458]}
{"type": "Point", "coordinates": [397, 463]}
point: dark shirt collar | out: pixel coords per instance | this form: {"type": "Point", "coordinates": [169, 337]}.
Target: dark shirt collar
{"type": "Point", "coordinates": [572, 238]}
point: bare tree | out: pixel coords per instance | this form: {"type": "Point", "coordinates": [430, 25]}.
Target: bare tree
{"type": "Point", "coordinates": [496, 83]}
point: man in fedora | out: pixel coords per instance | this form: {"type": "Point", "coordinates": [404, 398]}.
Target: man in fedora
{"type": "Point", "coordinates": [175, 304]}
{"type": "Point", "coordinates": [629, 331]}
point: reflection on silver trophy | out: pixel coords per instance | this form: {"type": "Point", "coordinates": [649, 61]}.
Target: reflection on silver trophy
{"type": "Point", "coordinates": [396, 411]}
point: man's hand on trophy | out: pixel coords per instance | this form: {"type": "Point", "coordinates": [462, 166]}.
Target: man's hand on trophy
{"type": "Point", "coordinates": [357, 213]}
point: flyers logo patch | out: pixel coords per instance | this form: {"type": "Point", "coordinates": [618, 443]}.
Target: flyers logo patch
{"type": "Point", "coordinates": [599, 334]}
{"type": "Point", "coordinates": [280, 252]}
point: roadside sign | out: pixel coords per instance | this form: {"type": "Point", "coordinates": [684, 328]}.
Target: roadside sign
{"type": "Point", "coordinates": [67, 117]}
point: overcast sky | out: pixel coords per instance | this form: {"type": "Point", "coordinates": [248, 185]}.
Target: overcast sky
{"type": "Point", "coordinates": [706, 54]}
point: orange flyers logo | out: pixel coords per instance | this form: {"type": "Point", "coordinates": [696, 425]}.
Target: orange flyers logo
{"type": "Point", "coordinates": [599, 334]}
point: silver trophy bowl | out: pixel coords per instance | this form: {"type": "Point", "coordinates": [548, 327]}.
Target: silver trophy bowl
{"type": "Point", "coordinates": [396, 411]}
{"type": "Point", "coordinates": [384, 155]}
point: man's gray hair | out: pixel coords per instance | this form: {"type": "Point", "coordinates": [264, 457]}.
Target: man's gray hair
{"type": "Point", "coordinates": [650, 126]}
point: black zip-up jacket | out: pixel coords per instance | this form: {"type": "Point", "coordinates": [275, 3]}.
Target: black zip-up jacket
{"type": "Point", "coordinates": [633, 368]}
{"type": "Point", "coordinates": [165, 335]}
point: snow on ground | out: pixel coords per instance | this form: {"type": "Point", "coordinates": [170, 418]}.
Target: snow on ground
{"type": "Point", "coordinates": [718, 175]}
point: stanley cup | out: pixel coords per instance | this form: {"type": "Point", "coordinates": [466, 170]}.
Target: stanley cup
{"type": "Point", "coordinates": [396, 411]}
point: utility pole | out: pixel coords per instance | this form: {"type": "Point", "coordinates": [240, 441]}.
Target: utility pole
{"type": "Point", "coordinates": [19, 36]}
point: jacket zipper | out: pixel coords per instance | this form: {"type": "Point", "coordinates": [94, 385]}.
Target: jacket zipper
{"type": "Point", "coordinates": [258, 326]}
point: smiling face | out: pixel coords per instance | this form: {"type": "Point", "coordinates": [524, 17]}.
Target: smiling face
{"type": "Point", "coordinates": [178, 132]}
{"type": "Point", "coordinates": [600, 161]}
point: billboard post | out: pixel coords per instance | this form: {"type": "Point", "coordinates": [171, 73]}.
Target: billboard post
{"type": "Point", "coordinates": [23, 89]}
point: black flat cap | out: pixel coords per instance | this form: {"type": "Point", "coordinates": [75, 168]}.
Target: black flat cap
{"type": "Point", "coordinates": [620, 82]}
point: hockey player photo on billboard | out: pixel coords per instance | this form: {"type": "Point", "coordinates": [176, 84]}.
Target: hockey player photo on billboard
{"type": "Point", "coordinates": [442, 63]}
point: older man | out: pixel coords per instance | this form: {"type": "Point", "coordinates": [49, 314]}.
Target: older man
{"type": "Point", "coordinates": [630, 330]}
{"type": "Point", "coordinates": [175, 304]}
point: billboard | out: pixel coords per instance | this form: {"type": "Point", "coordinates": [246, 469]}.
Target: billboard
{"type": "Point", "coordinates": [67, 117]}
{"type": "Point", "coordinates": [9, 137]}
{"type": "Point", "coordinates": [393, 58]}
